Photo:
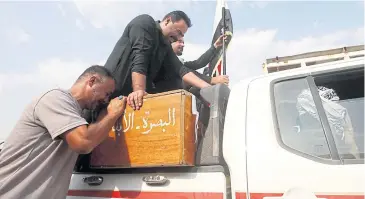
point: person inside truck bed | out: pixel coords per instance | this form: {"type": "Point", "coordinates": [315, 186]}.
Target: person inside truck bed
{"type": "Point", "coordinates": [39, 155]}
{"type": "Point", "coordinates": [143, 54]}
{"type": "Point", "coordinates": [175, 82]}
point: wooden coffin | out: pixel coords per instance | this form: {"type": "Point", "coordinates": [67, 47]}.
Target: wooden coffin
{"type": "Point", "coordinates": [161, 133]}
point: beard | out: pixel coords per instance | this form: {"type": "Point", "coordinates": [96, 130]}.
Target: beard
{"type": "Point", "coordinates": [180, 51]}
{"type": "Point", "coordinates": [96, 104]}
{"type": "Point", "coordinates": [95, 107]}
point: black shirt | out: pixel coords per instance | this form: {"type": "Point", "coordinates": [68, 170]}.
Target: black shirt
{"type": "Point", "coordinates": [202, 61]}
{"type": "Point", "coordinates": [143, 49]}
{"type": "Point", "coordinates": [175, 82]}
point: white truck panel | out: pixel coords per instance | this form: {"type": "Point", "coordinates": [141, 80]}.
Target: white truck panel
{"type": "Point", "coordinates": [273, 169]}
{"type": "Point", "coordinates": [178, 183]}
{"type": "Point", "coordinates": [234, 141]}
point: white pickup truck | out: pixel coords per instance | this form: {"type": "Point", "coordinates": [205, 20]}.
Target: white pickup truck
{"type": "Point", "coordinates": [295, 132]}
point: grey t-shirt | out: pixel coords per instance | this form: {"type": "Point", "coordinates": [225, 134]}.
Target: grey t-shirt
{"type": "Point", "coordinates": [35, 162]}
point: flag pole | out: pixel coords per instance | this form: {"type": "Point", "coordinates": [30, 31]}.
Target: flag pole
{"type": "Point", "coordinates": [224, 42]}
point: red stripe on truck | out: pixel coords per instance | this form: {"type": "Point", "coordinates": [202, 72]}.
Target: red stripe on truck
{"type": "Point", "coordinates": [185, 195]}
{"type": "Point", "coordinates": [144, 194]}
{"type": "Point", "coordinates": [241, 195]}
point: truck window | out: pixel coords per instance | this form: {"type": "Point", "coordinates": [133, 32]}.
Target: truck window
{"type": "Point", "coordinates": [297, 129]}
{"type": "Point", "coordinates": [341, 98]}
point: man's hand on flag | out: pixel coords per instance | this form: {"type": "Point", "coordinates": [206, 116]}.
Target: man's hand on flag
{"type": "Point", "coordinates": [221, 79]}
{"type": "Point", "coordinates": [219, 41]}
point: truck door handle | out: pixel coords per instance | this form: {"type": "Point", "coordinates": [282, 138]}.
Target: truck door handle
{"type": "Point", "coordinates": [93, 180]}
{"type": "Point", "coordinates": [156, 180]}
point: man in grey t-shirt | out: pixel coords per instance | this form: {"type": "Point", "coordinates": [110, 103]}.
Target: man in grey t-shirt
{"type": "Point", "coordinates": [39, 155]}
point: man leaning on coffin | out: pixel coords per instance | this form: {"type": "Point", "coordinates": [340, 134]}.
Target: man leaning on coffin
{"type": "Point", "coordinates": [143, 55]}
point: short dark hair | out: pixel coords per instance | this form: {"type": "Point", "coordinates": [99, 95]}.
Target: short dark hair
{"type": "Point", "coordinates": [97, 69]}
{"type": "Point", "coordinates": [177, 15]}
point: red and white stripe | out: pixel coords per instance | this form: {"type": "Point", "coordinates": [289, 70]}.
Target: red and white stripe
{"type": "Point", "coordinates": [187, 195]}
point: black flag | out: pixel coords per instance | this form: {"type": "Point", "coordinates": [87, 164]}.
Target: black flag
{"type": "Point", "coordinates": [222, 22]}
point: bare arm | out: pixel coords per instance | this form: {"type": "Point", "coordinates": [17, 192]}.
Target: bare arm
{"type": "Point", "coordinates": [60, 115]}
{"type": "Point", "coordinates": [84, 139]}
{"type": "Point", "coordinates": [138, 81]}
{"type": "Point", "coordinates": [192, 79]}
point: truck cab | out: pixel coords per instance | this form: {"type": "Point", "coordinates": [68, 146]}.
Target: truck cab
{"type": "Point", "coordinates": [295, 132]}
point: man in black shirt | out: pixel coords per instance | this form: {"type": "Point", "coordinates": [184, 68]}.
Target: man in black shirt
{"type": "Point", "coordinates": [175, 82]}
{"type": "Point", "coordinates": [143, 55]}
{"type": "Point", "coordinates": [202, 61]}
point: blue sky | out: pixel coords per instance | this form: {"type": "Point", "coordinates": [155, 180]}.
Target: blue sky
{"type": "Point", "coordinates": [46, 44]}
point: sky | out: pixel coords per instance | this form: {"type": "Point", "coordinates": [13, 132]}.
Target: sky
{"type": "Point", "coordinates": [47, 44]}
